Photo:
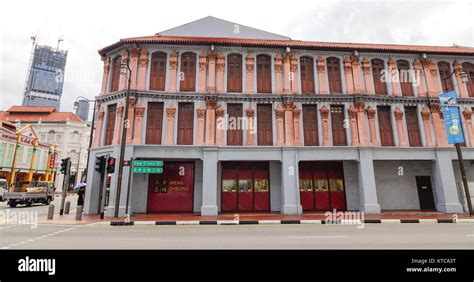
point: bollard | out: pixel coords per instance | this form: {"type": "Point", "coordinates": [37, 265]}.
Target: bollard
{"type": "Point", "coordinates": [68, 206]}
{"type": "Point", "coordinates": [79, 213]}
{"type": "Point", "coordinates": [50, 212]}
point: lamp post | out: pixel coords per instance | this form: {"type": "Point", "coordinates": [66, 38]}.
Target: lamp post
{"type": "Point", "coordinates": [75, 106]}
{"type": "Point", "coordinates": [464, 80]}
{"type": "Point", "coordinates": [125, 69]}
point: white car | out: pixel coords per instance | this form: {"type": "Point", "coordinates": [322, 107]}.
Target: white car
{"type": "Point", "coordinates": [3, 188]}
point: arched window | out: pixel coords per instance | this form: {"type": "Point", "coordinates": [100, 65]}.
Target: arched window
{"type": "Point", "coordinates": [188, 72]}
{"type": "Point", "coordinates": [158, 71]}
{"type": "Point", "coordinates": [52, 132]}
{"type": "Point", "coordinates": [405, 77]}
{"type": "Point", "coordinates": [115, 74]}
{"type": "Point", "coordinates": [264, 74]}
{"type": "Point", "coordinates": [469, 69]}
{"type": "Point", "coordinates": [307, 75]}
{"type": "Point", "coordinates": [234, 73]}
{"type": "Point", "coordinates": [378, 71]}
{"type": "Point", "coordinates": [444, 73]}
{"type": "Point", "coordinates": [334, 75]}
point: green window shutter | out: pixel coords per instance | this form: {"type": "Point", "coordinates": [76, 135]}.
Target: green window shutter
{"type": "Point", "coordinates": [2, 152]}
{"type": "Point", "coordinates": [10, 150]}
{"type": "Point", "coordinates": [29, 155]}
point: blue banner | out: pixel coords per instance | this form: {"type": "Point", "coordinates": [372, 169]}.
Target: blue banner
{"type": "Point", "coordinates": [451, 116]}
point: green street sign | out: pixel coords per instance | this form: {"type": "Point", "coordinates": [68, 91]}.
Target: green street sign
{"type": "Point", "coordinates": [147, 163]}
{"type": "Point", "coordinates": [147, 170]}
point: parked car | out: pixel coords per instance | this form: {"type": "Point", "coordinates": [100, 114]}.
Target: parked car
{"type": "Point", "coordinates": [3, 188]}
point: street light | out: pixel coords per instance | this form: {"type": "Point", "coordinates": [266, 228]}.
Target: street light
{"type": "Point", "coordinates": [464, 80]}
{"type": "Point", "coordinates": [75, 106]}
{"type": "Point", "coordinates": [124, 69]}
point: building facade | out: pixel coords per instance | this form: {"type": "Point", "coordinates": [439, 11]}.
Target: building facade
{"type": "Point", "coordinates": [45, 79]}
{"type": "Point", "coordinates": [246, 121]}
{"type": "Point", "coordinates": [63, 130]}
{"type": "Point", "coordinates": [82, 110]}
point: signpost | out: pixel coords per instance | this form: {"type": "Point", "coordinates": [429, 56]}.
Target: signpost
{"type": "Point", "coordinates": [145, 166]}
{"type": "Point", "coordinates": [452, 121]}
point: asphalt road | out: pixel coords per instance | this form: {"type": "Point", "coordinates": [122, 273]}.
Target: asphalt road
{"type": "Point", "coordinates": [41, 209]}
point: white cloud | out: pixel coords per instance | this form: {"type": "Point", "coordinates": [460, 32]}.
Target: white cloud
{"type": "Point", "coordinates": [90, 25]}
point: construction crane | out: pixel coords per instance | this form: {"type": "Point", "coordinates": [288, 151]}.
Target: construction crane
{"type": "Point", "coordinates": [32, 54]}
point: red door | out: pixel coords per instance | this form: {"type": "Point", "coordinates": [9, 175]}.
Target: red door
{"type": "Point", "coordinates": [229, 187]}
{"type": "Point", "coordinates": [245, 187]}
{"type": "Point", "coordinates": [321, 192]}
{"type": "Point", "coordinates": [306, 187]}
{"type": "Point", "coordinates": [336, 186]}
{"type": "Point", "coordinates": [172, 191]}
{"type": "Point", "coordinates": [261, 187]}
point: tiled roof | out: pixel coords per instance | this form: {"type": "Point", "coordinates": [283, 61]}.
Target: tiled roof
{"type": "Point", "coordinates": [292, 44]}
{"type": "Point", "coordinates": [31, 109]}
{"type": "Point", "coordinates": [35, 114]}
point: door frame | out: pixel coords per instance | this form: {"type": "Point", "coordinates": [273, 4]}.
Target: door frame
{"type": "Point", "coordinates": [431, 188]}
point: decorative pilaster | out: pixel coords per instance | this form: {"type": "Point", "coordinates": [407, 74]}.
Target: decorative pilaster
{"type": "Point", "coordinates": [356, 74]}
{"type": "Point", "coordinates": [137, 135]}
{"type": "Point", "coordinates": [368, 78]}
{"type": "Point", "coordinates": [401, 133]}
{"type": "Point", "coordinates": [98, 128]}
{"type": "Point", "coordinates": [105, 76]}
{"type": "Point", "coordinates": [425, 116]}
{"type": "Point", "coordinates": [430, 69]}
{"type": "Point", "coordinates": [173, 71]}
{"type": "Point", "coordinates": [134, 53]}
{"type": "Point", "coordinates": [201, 112]}
{"type": "Point", "coordinates": [220, 72]}
{"type": "Point", "coordinates": [360, 107]}
{"type": "Point", "coordinates": [348, 74]}
{"type": "Point", "coordinates": [279, 119]}
{"type": "Point", "coordinates": [286, 74]}
{"type": "Point", "coordinates": [118, 124]}
{"type": "Point", "coordinates": [211, 104]}
{"type": "Point", "coordinates": [296, 121]}
{"type": "Point", "coordinates": [354, 132]}
{"type": "Point", "coordinates": [202, 72]}
{"type": "Point", "coordinates": [220, 126]}
{"type": "Point", "coordinates": [324, 120]}
{"type": "Point", "coordinates": [417, 68]}
{"type": "Point", "coordinates": [321, 65]}
{"type": "Point", "coordinates": [278, 74]}
{"type": "Point", "coordinates": [461, 86]}
{"type": "Point", "coordinates": [394, 77]}
{"type": "Point", "coordinates": [373, 131]}
{"type": "Point", "coordinates": [249, 67]}
{"type": "Point", "coordinates": [131, 117]}
{"type": "Point", "coordinates": [470, 130]}
{"type": "Point", "coordinates": [170, 113]}
{"type": "Point", "coordinates": [289, 126]}
{"type": "Point", "coordinates": [438, 128]}
{"type": "Point", "coordinates": [250, 126]}
{"type": "Point", "coordinates": [211, 86]}
{"type": "Point", "coordinates": [294, 74]}
{"type": "Point", "coordinates": [123, 74]}
{"type": "Point", "coordinates": [142, 67]}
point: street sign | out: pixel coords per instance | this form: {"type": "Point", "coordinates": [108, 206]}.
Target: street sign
{"type": "Point", "coordinates": [147, 163]}
{"type": "Point", "coordinates": [147, 170]}
{"type": "Point", "coordinates": [451, 117]}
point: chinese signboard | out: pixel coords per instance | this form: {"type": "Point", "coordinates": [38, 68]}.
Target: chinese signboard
{"type": "Point", "coordinates": [451, 117]}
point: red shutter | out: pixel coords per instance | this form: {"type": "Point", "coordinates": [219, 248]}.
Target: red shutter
{"type": "Point", "coordinates": [378, 68]}
{"type": "Point", "coordinates": [385, 126]}
{"type": "Point", "coordinates": [334, 75]}
{"type": "Point", "coordinates": [154, 123]}
{"type": "Point", "coordinates": [234, 73]}
{"type": "Point", "coordinates": [310, 125]}
{"type": "Point", "coordinates": [185, 123]}
{"type": "Point", "coordinates": [158, 71]}
{"type": "Point", "coordinates": [264, 125]}
{"type": "Point", "coordinates": [110, 124]}
{"type": "Point", "coordinates": [337, 125]}
{"type": "Point", "coordinates": [405, 78]}
{"type": "Point", "coordinates": [307, 75]}
{"type": "Point", "coordinates": [188, 72]}
{"type": "Point", "coordinates": [469, 69]}
{"type": "Point", "coordinates": [264, 74]}
{"type": "Point", "coordinates": [116, 74]}
{"type": "Point", "coordinates": [444, 73]}
{"type": "Point", "coordinates": [413, 128]}
{"type": "Point", "coordinates": [234, 135]}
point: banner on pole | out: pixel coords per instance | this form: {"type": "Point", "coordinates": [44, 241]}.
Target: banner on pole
{"type": "Point", "coordinates": [451, 117]}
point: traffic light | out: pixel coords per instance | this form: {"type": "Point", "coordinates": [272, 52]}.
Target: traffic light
{"type": "Point", "coordinates": [111, 165]}
{"type": "Point", "coordinates": [64, 165]}
{"type": "Point", "coordinates": [99, 164]}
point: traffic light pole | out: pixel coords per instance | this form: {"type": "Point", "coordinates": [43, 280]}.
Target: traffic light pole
{"type": "Point", "coordinates": [104, 188]}
{"type": "Point", "coordinates": [65, 185]}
